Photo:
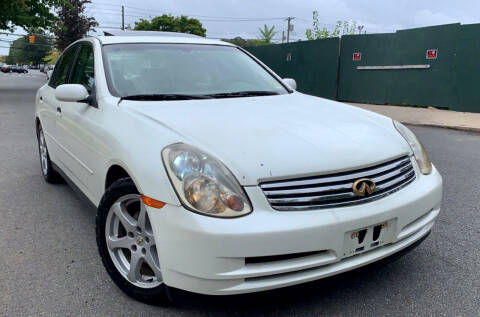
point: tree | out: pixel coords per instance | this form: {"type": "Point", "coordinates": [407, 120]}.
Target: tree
{"type": "Point", "coordinates": [239, 41]}
{"type": "Point", "coordinates": [267, 34]}
{"type": "Point", "coordinates": [73, 24]}
{"type": "Point", "coordinates": [27, 13]}
{"type": "Point", "coordinates": [52, 57]}
{"type": "Point", "coordinates": [3, 58]}
{"type": "Point", "coordinates": [23, 52]}
{"type": "Point", "coordinates": [170, 23]}
{"type": "Point", "coordinates": [245, 43]}
{"type": "Point", "coordinates": [341, 28]}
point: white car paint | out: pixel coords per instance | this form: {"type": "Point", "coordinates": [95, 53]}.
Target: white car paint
{"type": "Point", "coordinates": [258, 139]}
{"type": "Point", "coordinates": [291, 83]}
{"type": "Point", "coordinates": [71, 93]}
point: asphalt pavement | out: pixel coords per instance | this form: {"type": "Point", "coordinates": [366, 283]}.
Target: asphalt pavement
{"type": "Point", "coordinates": [49, 264]}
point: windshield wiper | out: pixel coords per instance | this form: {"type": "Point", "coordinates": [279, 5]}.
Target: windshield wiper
{"type": "Point", "coordinates": [252, 93]}
{"type": "Point", "coordinates": [161, 97]}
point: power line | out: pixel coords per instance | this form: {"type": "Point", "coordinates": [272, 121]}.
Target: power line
{"type": "Point", "coordinates": [108, 27]}
{"type": "Point", "coordinates": [110, 8]}
{"type": "Point", "coordinates": [149, 13]}
{"type": "Point", "coordinates": [211, 17]}
{"type": "Point", "coordinates": [27, 43]}
{"type": "Point", "coordinates": [38, 34]}
{"type": "Point", "coordinates": [13, 47]}
{"type": "Point", "coordinates": [203, 19]}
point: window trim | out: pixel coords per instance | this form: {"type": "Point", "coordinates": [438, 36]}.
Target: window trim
{"type": "Point", "coordinates": [55, 70]}
{"type": "Point", "coordinates": [80, 45]}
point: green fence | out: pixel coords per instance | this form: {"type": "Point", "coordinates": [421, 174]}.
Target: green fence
{"type": "Point", "coordinates": [429, 86]}
{"type": "Point", "coordinates": [391, 68]}
{"type": "Point", "coordinates": [466, 76]}
{"type": "Point", "coordinates": [313, 64]}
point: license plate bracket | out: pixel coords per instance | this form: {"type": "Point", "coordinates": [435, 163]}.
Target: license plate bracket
{"type": "Point", "coordinates": [368, 238]}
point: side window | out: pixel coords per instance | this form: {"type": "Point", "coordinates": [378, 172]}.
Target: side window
{"type": "Point", "coordinates": [83, 71]}
{"type": "Point", "coordinates": [62, 69]}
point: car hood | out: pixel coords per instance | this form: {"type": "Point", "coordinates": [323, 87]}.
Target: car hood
{"type": "Point", "coordinates": [274, 137]}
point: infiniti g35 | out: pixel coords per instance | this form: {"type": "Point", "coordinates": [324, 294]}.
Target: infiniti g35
{"type": "Point", "coordinates": [213, 175]}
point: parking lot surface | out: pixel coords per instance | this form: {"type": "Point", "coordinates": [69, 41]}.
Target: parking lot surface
{"type": "Point", "coordinates": [49, 264]}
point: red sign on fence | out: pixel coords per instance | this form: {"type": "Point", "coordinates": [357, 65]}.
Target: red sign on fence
{"type": "Point", "coordinates": [357, 56]}
{"type": "Point", "coordinates": [432, 54]}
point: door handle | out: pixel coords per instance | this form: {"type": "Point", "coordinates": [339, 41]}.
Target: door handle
{"type": "Point", "coordinates": [59, 110]}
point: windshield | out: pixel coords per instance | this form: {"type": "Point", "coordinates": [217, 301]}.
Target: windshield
{"type": "Point", "coordinates": [186, 69]}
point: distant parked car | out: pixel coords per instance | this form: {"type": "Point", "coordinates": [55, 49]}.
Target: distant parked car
{"type": "Point", "coordinates": [6, 69]}
{"type": "Point", "coordinates": [19, 69]}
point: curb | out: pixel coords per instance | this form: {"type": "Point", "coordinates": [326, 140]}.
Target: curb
{"type": "Point", "coordinates": [455, 124]}
{"type": "Point", "coordinates": [452, 127]}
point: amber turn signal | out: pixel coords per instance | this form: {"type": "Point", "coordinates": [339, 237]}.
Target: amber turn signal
{"type": "Point", "coordinates": [235, 203]}
{"type": "Point", "coordinates": [152, 202]}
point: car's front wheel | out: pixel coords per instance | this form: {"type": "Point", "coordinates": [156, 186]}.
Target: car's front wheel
{"type": "Point", "coordinates": [127, 245]}
{"type": "Point", "coordinates": [48, 172]}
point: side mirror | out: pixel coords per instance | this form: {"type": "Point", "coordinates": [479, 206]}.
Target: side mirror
{"type": "Point", "coordinates": [71, 93]}
{"type": "Point", "coordinates": [291, 83]}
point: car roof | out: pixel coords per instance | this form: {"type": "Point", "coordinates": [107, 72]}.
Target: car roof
{"type": "Point", "coordinates": [118, 37]}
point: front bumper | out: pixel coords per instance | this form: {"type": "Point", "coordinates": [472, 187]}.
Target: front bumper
{"type": "Point", "coordinates": [208, 255]}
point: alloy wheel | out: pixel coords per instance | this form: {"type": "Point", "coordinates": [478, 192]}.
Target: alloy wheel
{"type": "Point", "coordinates": [43, 152]}
{"type": "Point", "coordinates": [131, 244]}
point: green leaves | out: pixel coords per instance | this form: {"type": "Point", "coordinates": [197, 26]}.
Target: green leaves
{"type": "Point", "coordinates": [267, 34]}
{"type": "Point", "coordinates": [23, 52]}
{"type": "Point", "coordinates": [169, 23]}
{"type": "Point", "coordinates": [341, 28]}
{"type": "Point", "coordinates": [27, 13]}
{"type": "Point", "coordinates": [245, 42]}
{"type": "Point", "coordinates": [72, 24]}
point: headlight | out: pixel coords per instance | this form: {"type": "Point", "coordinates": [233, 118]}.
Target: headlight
{"type": "Point", "coordinates": [417, 148]}
{"type": "Point", "coordinates": [203, 183]}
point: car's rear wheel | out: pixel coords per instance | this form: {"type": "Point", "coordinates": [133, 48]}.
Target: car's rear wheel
{"type": "Point", "coordinates": [48, 172]}
{"type": "Point", "coordinates": [127, 245]}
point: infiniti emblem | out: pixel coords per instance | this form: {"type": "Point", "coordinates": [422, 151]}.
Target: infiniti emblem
{"type": "Point", "coordinates": [363, 187]}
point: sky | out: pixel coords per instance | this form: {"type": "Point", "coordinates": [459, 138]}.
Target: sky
{"type": "Point", "coordinates": [231, 18]}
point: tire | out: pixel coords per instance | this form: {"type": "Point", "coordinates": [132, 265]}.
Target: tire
{"type": "Point", "coordinates": [50, 175]}
{"type": "Point", "coordinates": [129, 239]}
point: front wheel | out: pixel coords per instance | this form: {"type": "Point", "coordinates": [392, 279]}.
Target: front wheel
{"type": "Point", "coordinates": [127, 245]}
{"type": "Point", "coordinates": [50, 175]}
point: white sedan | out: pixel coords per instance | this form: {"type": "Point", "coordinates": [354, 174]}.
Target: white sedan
{"type": "Point", "coordinates": [213, 175]}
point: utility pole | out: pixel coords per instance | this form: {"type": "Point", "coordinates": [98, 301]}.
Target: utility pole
{"type": "Point", "coordinates": [289, 28]}
{"type": "Point", "coordinates": [283, 36]}
{"type": "Point", "coordinates": [123, 18]}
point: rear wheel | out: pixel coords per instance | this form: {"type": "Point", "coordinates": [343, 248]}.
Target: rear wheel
{"type": "Point", "coordinates": [127, 245]}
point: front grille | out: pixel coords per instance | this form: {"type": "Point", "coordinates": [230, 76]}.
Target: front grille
{"type": "Point", "coordinates": [335, 190]}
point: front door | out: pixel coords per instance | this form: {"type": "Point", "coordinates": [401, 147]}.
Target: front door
{"type": "Point", "coordinates": [50, 110]}
{"type": "Point", "coordinates": [76, 127]}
